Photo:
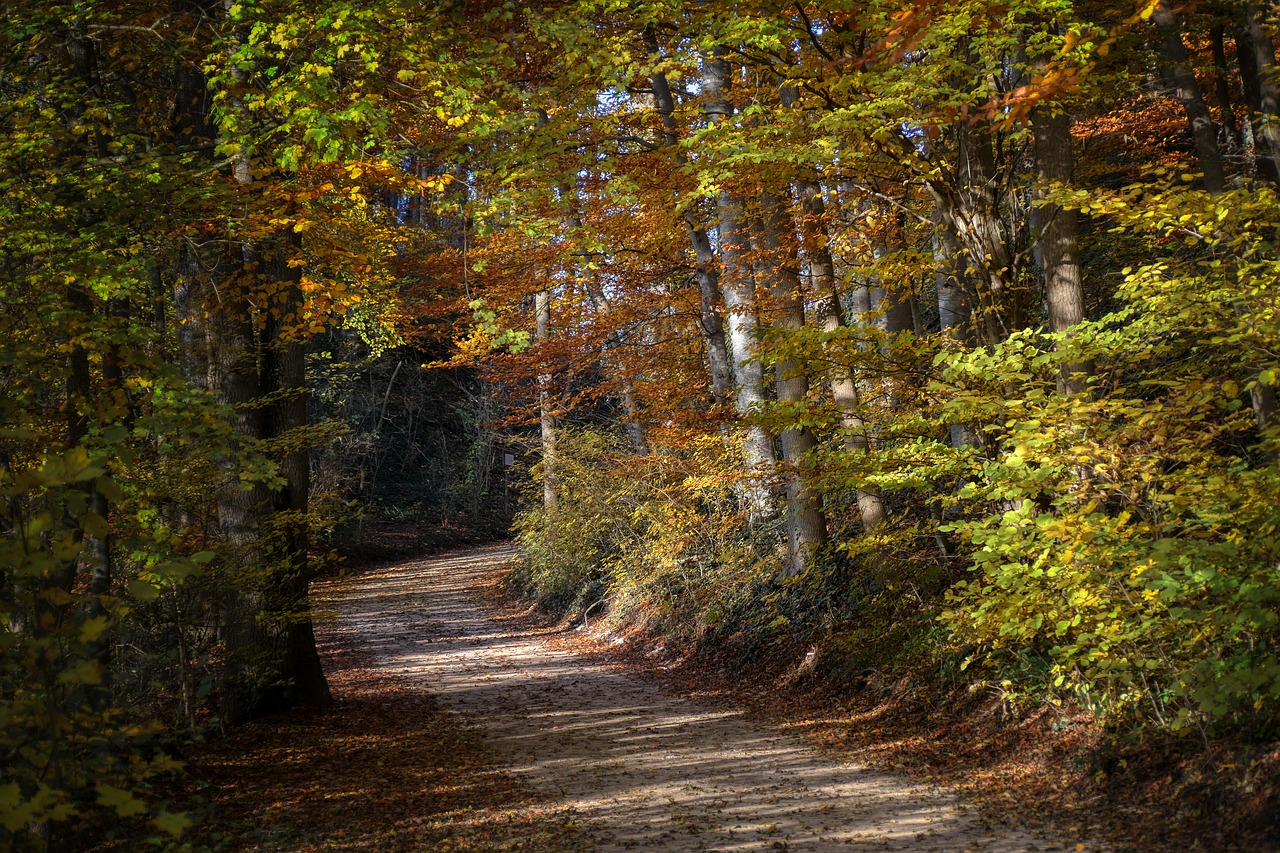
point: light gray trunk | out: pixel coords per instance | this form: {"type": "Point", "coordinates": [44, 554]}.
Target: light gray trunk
{"type": "Point", "coordinates": [829, 316]}
{"type": "Point", "coordinates": [711, 321]}
{"type": "Point", "coordinates": [737, 286]}
{"type": "Point", "coordinates": [805, 521]}
{"type": "Point", "coordinates": [547, 420]}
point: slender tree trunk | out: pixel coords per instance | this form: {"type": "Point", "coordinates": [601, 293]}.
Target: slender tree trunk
{"type": "Point", "coordinates": [711, 321]}
{"type": "Point", "coordinates": [285, 372]}
{"type": "Point", "coordinates": [542, 333]}
{"type": "Point", "coordinates": [828, 313]}
{"type": "Point", "coordinates": [1187, 91]}
{"type": "Point", "coordinates": [806, 523]}
{"type": "Point", "coordinates": [955, 305]}
{"type": "Point", "coordinates": [737, 285]}
{"type": "Point", "coordinates": [1266, 118]}
{"type": "Point", "coordinates": [75, 410]}
{"type": "Point", "coordinates": [1063, 285]}
{"type": "Point", "coordinates": [1222, 84]}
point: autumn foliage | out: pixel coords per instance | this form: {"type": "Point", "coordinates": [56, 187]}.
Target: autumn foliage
{"type": "Point", "coordinates": [955, 318]}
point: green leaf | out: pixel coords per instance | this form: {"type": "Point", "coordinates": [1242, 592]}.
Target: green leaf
{"type": "Point", "coordinates": [174, 823]}
{"type": "Point", "coordinates": [124, 802]}
{"type": "Point", "coordinates": [143, 591]}
{"type": "Point", "coordinates": [15, 811]}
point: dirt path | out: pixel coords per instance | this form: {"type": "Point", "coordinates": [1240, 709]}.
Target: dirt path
{"type": "Point", "coordinates": [642, 768]}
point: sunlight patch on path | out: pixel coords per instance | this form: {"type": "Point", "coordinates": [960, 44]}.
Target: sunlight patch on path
{"type": "Point", "coordinates": [644, 769]}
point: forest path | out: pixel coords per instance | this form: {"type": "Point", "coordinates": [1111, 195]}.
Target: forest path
{"type": "Point", "coordinates": [642, 768]}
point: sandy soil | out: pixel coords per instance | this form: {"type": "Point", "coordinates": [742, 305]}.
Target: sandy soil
{"type": "Point", "coordinates": [642, 768]}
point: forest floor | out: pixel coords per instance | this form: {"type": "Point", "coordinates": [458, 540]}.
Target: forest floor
{"type": "Point", "coordinates": [461, 725]}
{"type": "Point", "coordinates": [466, 721]}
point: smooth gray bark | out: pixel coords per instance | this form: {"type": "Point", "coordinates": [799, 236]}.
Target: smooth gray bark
{"type": "Point", "coordinates": [737, 286]}
{"type": "Point", "coordinates": [827, 311]}
{"type": "Point", "coordinates": [711, 321]}
{"type": "Point", "coordinates": [547, 419]}
{"type": "Point", "coordinates": [805, 521]}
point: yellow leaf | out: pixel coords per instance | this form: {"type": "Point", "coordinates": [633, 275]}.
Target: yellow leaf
{"type": "Point", "coordinates": [174, 823]}
{"type": "Point", "coordinates": [124, 802]}
{"type": "Point", "coordinates": [93, 628]}
{"type": "Point", "coordinates": [14, 810]}
{"type": "Point", "coordinates": [143, 591]}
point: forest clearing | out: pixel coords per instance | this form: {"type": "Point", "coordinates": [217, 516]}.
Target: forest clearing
{"type": "Point", "coordinates": [879, 400]}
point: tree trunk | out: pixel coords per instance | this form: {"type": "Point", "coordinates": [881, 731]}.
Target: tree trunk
{"type": "Point", "coordinates": [1222, 84]}
{"type": "Point", "coordinates": [737, 286]}
{"type": "Point", "coordinates": [542, 333]}
{"type": "Point", "coordinates": [955, 305]}
{"type": "Point", "coordinates": [1266, 118]}
{"type": "Point", "coordinates": [251, 678]}
{"type": "Point", "coordinates": [805, 521]}
{"type": "Point", "coordinates": [285, 372]}
{"type": "Point", "coordinates": [711, 322]}
{"type": "Point", "coordinates": [1063, 286]}
{"type": "Point", "coordinates": [827, 311]}
{"type": "Point", "coordinates": [1187, 91]}
{"type": "Point", "coordinates": [970, 205]}
{"type": "Point", "coordinates": [272, 662]}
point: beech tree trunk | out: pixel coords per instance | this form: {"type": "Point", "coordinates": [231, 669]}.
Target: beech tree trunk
{"type": "Point", "coordinates": [828, 313]}
{"type": "Point", "coordinates": [1063, 285]}
{"type": "Point", "coordinates": [1222, 85]}
{"type": "Point", "coordinates": [272, 662]}
{"type": "Point", "coordinates": [251, 677]}
{"type": "Point", "coordinates": [1266, 118]}
{"type": "Point", "coordinates": [737, 286]}
{"type": "Point", "coordinates": [805, 521]}
{"type": "Point", "coordinates": [955, 304]}
{"type": "Point", "coordinates": [711, 321]}
{"type": "Point", "coordinates": [547, 420]}
{"type": "Point", "coordinates": [969, 202]}
{"type": "Point", "coordinates": [285, 373]}
{"type": "Point", "coordinates": [1187, 90]}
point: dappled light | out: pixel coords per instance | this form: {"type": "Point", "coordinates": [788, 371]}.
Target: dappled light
{"type": "Point", "coordinates": [638, 766]}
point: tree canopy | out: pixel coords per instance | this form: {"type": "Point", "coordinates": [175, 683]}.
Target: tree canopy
{"type": "Point", "coordinates": [951, 319]}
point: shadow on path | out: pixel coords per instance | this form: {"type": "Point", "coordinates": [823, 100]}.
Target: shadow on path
{"type": "Point", "coordinates": [642, 768]}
